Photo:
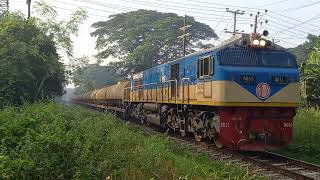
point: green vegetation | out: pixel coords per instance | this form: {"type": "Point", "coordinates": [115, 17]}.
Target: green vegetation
{"type": "Point", "coordinates": [305, 144]}
{"type": "Point", "coordinates": [90, 76]}
{"type": "Point", "coordinates": [30, 67]}
{"type": "Point", "coordinates": [146, 38]}
{"type": "Point", "coordinates": [50, 141]}
{"type": "Point", "coordinates": [29, 62]}
{"type": "Point", "coordinates": [138, 40]}
{"type": "Point", "coordinates": [308, 56]}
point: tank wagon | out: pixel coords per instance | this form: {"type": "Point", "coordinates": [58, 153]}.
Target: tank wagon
{"type": "Point", "coordinates": [242, 94]}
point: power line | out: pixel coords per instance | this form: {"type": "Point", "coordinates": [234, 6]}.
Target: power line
{"type": "Point", "coordinates": [277, 2]}
{"type": "Point", "coordinates": [289, 42]}
{"type": "Point", "coordinates": [124, 8]}
{"type": "Point", "coordinates": [289, 28]}
{"type": "Point", "coordinates": [290, 22]}
{"type": "Point", "coordinates": [290, 18]}
{"type": "Point", "coordinates": [293, 27]}
{"type": "Point", "coordinates": [200, 17]}
{"type": "Point", "coordinates": [74, 10]}
{"type": "Point", "coordinates": [96, 9]}
{"type": "Point", "coordinates": [286, 32]}
{"type": "Point", "coordinates": [219, 21]}
{"type": "Point", "coordinates": [144, 3]}
{"type": "Point", "coordinates": [301, 7]}
{"type": "Point", "coordinates": [117, 7]}
{"type": "Point", "coordinates": [221, 8]}
{"type": "Point", "coordinates": [153, 4]}
{"type": "Point", "coordinates": [227, 5]}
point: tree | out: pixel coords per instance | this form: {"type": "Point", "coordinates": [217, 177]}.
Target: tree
{"type": "Point", "coordinates": [144, 38]}
{"type": "Point", "coordinates": [303, 50]}
{"type": "Point", "coordinates": [60, 31]}
{"type": "Point", "coordinates": [30, 66]}
{"type": "Point", "coordinates": [311, 75]}
{"type": "Point", "coordinates": [29, 63]}
{"type": "Point", "coordinates": [308, 55]}
{"type": "Point", "coordinates": [87, 76]}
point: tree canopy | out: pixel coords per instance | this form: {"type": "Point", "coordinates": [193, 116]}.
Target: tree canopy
{"type": "Point", "coordinates": [60, 31]}
{"type": "Point", "coordinates": [144, 38]}
{"type": "Point", "coordinates": [308, 56]}
{"type": "Point", "coordinates": [29, 66]}
{"type": "Point", "coordinates": [90, 76]}
{"type": "Point", "coordinates": [303, 50]}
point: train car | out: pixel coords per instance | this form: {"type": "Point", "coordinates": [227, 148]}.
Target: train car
{"type": "Point", "coordinates": [241, 94]}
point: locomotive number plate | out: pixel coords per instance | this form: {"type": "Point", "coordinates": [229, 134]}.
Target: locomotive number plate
{"type": "Point", "coordinates": [247, 78]}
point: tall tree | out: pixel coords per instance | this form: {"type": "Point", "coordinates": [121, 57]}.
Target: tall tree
{"type": "Point", "coordinates": [145, 38]}
{"type": "Point", "coordinates": [60, 31]}
{"type": "Point", "coordinates": [29, 63]}
{"type": "Point", "coordinates": [30, 66]}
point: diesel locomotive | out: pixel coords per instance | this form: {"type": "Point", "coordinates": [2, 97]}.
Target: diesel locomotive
{"type": "Point", "coordinates": [242, 94]}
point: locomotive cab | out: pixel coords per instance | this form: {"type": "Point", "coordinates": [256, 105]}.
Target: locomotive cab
{"type": "Point", "coordinates": [259, 91]}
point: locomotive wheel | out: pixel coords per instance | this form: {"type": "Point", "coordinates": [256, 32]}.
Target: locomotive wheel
{"type": "Point", "coordinates": [198, 135]}
{"type": "Point", "coordinates": [213, 135]}
{"type": "Point", "coordinates": [212, 132]}
{"type": "Point", "coordinates": [197, 126]}
{"type": "Point", "coordinates": [142, 121]}
{"type": "Point", "coordinates": [172, 120]}
{"type": "Point", "coordinates": [143, 117]}
{"type": "Point", "coordinates": [183, 126]}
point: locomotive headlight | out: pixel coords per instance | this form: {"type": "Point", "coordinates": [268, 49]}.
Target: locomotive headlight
{"type": "Point", "coordinates": [255, 42]}
{"type": "Point", "coordinates": [262, 42]}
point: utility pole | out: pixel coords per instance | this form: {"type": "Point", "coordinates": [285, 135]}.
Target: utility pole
{"type": "Point", "coordinates": [4, 6]}
{"type": "Point", "coordinates": [235, 13]}
{"type": "Point", "coordinates": [29, 8]}
{"type": "Point", "coordinates": [255, 24]}
{"type": "Point", "coordinates": [185, 34]}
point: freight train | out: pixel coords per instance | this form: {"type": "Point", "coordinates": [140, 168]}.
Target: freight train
{"type": "Point", "coordinates": [242, 94]}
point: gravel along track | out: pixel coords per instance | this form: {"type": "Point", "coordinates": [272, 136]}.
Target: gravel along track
{"type": "Point", "coordinates": [267, 164]}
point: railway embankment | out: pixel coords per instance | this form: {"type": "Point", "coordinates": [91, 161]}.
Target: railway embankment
{"type": "Point", "coordinates": [48, 140]}
{"type": "Point", "coordinates": [306, 137]}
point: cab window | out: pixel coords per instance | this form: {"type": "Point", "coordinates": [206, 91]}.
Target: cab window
{"type": "Point", "coordinates": [205, 67]}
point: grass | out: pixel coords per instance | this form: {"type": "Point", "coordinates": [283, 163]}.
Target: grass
{"type": "Point", "coordinates": [51, 141]}
{"type": "Point", "coordinates": [306, 136]}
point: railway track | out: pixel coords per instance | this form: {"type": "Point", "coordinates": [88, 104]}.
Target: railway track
{"type": "Point", "coordinates": [293, 168]}
{"type": "Point", "coordinates": [258, 164]}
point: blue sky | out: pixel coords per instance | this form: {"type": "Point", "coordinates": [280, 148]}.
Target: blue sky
{"type": "Point", "coordinates": [289, 21]}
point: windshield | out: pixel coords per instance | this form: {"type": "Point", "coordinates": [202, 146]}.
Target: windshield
{"type": "Point", "coordinates": [282, 59]}
{"type": "Point", "coordinates": [242, 56]}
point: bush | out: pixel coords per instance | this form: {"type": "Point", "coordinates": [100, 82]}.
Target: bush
{"type": "Point", "coordinates": [305, 143]}
{"type": "Point", "coordinates": [50, 141]}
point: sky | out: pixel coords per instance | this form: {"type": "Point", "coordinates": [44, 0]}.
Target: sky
{"type": "Point", "coordinates": [288, 21]}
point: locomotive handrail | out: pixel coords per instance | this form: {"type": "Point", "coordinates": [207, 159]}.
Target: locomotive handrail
{"type": "Point", "coordinates": [182, 80]}
{"type": "Point", "coordinates": [172, 80]}
{"type": "Point", "coordinates": [151, 89]}
{"type": "Point", "coordinates": [133, 87]}
{"type": "Point", "coordinates": [138, 87]}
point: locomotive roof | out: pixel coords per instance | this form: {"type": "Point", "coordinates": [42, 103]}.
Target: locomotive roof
{"type": "Point", "coordinates": [226, 43]}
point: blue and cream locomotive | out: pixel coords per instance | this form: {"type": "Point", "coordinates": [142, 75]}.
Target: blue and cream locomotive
{"type": "Point", "coordinates": [241, 94]}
